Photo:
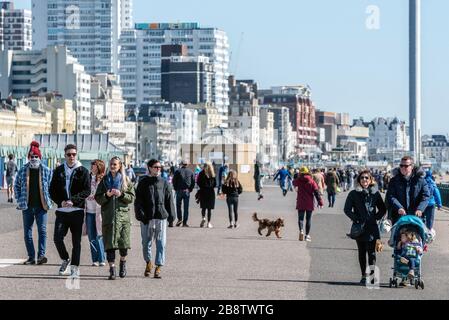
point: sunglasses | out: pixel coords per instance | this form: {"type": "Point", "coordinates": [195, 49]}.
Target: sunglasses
{"type": "Point", "coordinates": [70, 154]}
{"type": "Point", "coordinates": [157, 167]}
{"type": "Point", "coordinates": [34, 157]}
{"type": "Point", "coordinates": [364, 178]}
{"type": "Point", "coordinates": [405, 165]}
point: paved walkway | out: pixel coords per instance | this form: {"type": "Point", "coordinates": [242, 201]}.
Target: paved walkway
{"type": "Point", "coordinates": [220, 263]}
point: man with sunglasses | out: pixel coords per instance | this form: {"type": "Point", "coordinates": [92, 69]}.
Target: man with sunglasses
{"type": "Point", "coordinates": [69, 188]}
{"type": "Point", "coordinates": [408, 193]}
{"type": "Point", "coordinates": [32, 195]}
{"type": "Point", "coordinates": [153, 206]}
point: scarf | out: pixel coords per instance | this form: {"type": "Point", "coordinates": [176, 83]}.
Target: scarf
{"type": "Point", "coordinates": [113, 183]}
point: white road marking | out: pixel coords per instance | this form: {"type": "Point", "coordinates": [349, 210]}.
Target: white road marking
{"type": "Point", "coordinates": [10, 262]}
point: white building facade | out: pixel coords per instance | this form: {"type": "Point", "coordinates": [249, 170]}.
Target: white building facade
{"type": "Point", "coordinates": [140, 59]}
{"type": "Point", "coordinates": [90, 29]}
{"type": "Point", "coordinates": [15, 27]}
{"type": "Point", "coordinates": [52, 69]}
{"type": "Point", "coordinates": [388, 134]}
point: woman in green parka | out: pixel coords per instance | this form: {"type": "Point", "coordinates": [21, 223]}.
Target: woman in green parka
{"type": "Point", "coordinates": [115, 193]}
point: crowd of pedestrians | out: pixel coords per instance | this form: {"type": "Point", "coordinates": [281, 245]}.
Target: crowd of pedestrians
{"type": "Point", "coordinates": [97, 203]}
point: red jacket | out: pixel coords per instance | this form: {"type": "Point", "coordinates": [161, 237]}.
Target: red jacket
{"type": "Point", "coordinates": [307, 189]}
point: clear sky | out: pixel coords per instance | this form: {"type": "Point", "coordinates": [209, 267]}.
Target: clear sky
{"type": "Point", "coordinates": [326, 44]}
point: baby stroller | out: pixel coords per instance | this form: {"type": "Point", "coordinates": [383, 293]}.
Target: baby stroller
{"type": "Point", "coordinates": [401, 270]}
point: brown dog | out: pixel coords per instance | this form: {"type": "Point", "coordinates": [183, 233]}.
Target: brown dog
{"type": "Point", "coordinates": [272, 225]}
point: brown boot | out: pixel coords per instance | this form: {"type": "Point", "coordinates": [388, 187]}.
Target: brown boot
{"type": "Point", "coordinates": [157, 272]}
{"type": "Point", "coordinates": [148, 269]}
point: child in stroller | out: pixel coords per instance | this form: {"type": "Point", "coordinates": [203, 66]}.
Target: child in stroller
{"type": "Point", "coordinates": [408, 238]}
{"type": "Point", "coordinates": [411, 250]}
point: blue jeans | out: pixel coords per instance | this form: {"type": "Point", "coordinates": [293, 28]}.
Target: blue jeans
{"type": "Point", "coordinates": [412, 263]}
{"type": "Point", "coordinates": [96, 241]}
{"type": "Point", "coordinates": [156, 229]}
{"type": "Point", "coordinates": [429, 217]}
{"type": "Point", "coordinates": [180, 196]}
{"type": "Point", "coordinates": [40, 215]}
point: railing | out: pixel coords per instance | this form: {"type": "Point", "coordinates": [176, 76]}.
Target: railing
{"type": "Point", "coordinates": [444, 190]}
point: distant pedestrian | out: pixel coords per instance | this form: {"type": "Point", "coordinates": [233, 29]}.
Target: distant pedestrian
{"type": "Point", "coordinates": [232, 188]}
{"type": "Point", "coordinates": [207, 182]}
{"type": "Point", "coordinates": [11, 171]}
{"type": "Point", "coordinates": [283, 176]}
{"type": "Point", "coordinates": [307, 191]}
{"type": "Point", "coordinates": [332, 183]}
{"type": "Point", "coordinates": [183, 183]}
{"type": "Point", "coordinates": [222, 174]}
{"type": "Point", "coordinates": [154, 205]}
{"type": "Point", "coordinates": [131, 174]}
{"type": "Point", "coordinates": [319, 180]}
{"type": "Point", "coordinates": [93, 221]}
{"type": "Point", "coordinates": [115, 193]}
{"type": "Point", "coordinates": [365, 205]}
{"type": "Point", "coordinates": [69, 188]}
{"type": "Point", "coordinates": [408, 192]}
{"type": "Point", "coordinates": [33, 198]}
{"type": "Point", "coordinates": [258, 180]}
{"type": "Point", "coordinates": [434, 200]}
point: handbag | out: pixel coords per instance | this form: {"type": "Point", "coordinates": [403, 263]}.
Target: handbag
{"type": "Point", "coordinates": [357, 230]}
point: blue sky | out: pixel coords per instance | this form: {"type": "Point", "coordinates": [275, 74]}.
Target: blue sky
{"type": "Point", "coordinates": [325, 43]}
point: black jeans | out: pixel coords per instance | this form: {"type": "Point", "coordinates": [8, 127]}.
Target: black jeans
{"type": "Point", "coordinates": [110, 254]}
{"type": "Point", "coordinates": [366, 248]}
{"type": "Point", "coordinates": [305, 214]}
{"type": "Point", "coordinates": [233, 203]}
{"type": "Point", "coordinates": [64, 222]}
{"type": "Point", "coordinates": [331, 198]}
{"type": "Point", "coordinates": [209, 213]}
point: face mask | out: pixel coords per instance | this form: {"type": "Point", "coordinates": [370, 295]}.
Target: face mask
{"type": "Point", "coordinates": [35, 163]}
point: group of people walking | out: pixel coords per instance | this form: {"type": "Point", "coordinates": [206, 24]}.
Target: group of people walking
{"type": "Point", "coordinates": [96, 204]}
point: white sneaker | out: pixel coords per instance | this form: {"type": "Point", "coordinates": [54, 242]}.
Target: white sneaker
{"type": "Point", "coordinates": [75, 272]}
{"type": "Point", "coordinates": [102, 264]}
{"type": "Point", "coordinates": [65, 267]}
{"type": "Point", "coordinates": [95, 264]}
{"type": "Point", "coordinates": [203, 222]}
{"type": "Point", "coordinates": [308, 238]}
{"type": "Point", "coordinates": [209, 225]}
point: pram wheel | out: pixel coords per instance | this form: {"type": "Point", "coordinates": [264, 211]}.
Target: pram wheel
{"type": "Point", "coordinates": [419, 284]}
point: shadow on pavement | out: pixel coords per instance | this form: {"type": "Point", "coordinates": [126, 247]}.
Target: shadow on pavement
{"type": "Point", "coordinates": [323, 248]}
{"type": "Point", "coordinates": [332, 283]}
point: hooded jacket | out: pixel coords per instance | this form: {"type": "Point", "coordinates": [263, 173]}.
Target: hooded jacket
{"type": "Point", "coordinates": [435, 195]}
{"type": "Point", "coordinates": [366, 206]}
{"type": "Point", "coordinates": [410, 195]}
{"type": "Point", "coordinates": [79, 186]}
{"type": "Point", "coordinates": [307, 189]}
